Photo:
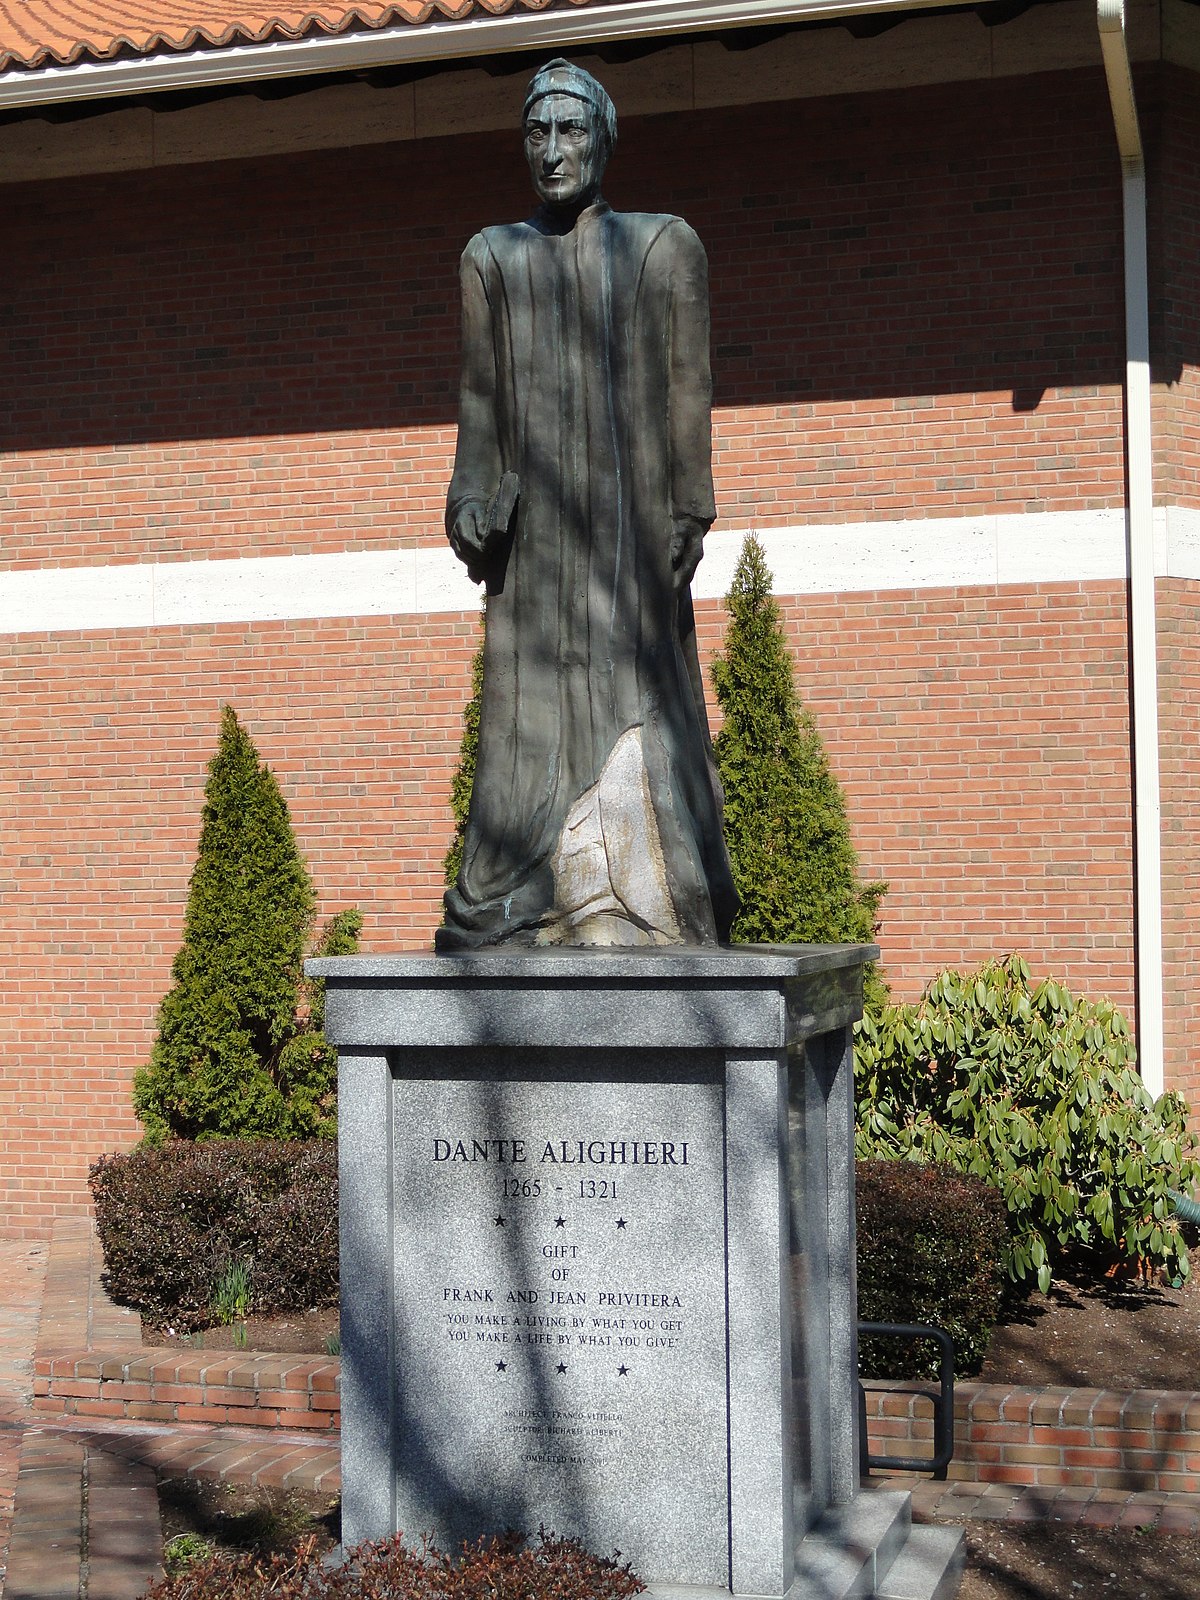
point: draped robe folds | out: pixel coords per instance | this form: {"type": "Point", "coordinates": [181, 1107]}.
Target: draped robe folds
{"type": "Point", "coordinates": [596, 809]}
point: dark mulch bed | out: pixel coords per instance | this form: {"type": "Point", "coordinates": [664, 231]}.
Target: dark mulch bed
{"type": "Point", "coordinates": [1005, 1561]}
{"type": "Point", "coordinates": [238, 1517]}
{"type": "Point", "coordinates": [1055, 1561]}
{"type": "Point", "coordinates": [1106, 1335]}
{"type": "Point", "coordinates": [302, 1333]}
{"type": "Point", "coordinates": [1101, 1335]}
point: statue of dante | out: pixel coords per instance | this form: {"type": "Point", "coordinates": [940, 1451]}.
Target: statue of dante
{"type": "Point", "coordinates": [581, 494]}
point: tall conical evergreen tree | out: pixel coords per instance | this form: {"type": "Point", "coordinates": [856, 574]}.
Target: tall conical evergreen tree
{"type": "Point", "coordinates": [464, 774]}
{"type": "Point", "coordinates": [231, 1014]}
{"type": "Point", "coordinates": [785, 816]}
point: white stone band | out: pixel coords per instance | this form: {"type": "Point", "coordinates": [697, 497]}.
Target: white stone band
{"type": "Point", "coordinates": [814, 559]}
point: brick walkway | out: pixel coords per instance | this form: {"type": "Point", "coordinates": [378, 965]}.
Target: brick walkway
{"type": "Point", "coordinates": [23, 1274]}
{"type": "Point", "coordinates": [1094, 1508]}
{"type": "Point", "coordinates": [78, 1503]}
{"type": "Point", "coordinates": [78, 1508]}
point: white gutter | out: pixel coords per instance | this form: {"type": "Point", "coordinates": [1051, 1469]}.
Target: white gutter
{"type": "Point", "coordinates": [433, 41]}
{"type": "Point", "coordinates": [1139, 466]}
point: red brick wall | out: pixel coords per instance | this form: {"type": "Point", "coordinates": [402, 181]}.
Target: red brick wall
{"type": "Point", "coordinates": [916, 311]}
{"type": "Point", "coordinates": [983, 761]}
{"type": "Point", "coordinates": [1179, 742]}
{"type": "Point", "coordinates": [1173, 97]}
{"type": "Point", "coordinates": [1112, 1441]}
{"type": "Point", "coordinates": [259, 357]}
{"type": "Point", "coordinates": [101, 816]}
{"type": "Point", "coordinates": [982, 740]}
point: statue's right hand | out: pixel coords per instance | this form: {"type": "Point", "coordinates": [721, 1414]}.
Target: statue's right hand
{"type": "Point", "coordinates": [468, 532]}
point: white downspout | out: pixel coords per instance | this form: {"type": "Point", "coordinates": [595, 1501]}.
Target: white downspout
{"type": "Point", "coordinates": [1139, 461]}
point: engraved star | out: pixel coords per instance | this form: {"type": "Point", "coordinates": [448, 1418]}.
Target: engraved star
{"type": "Point", "coordinates": [562, 1366]}
{"type": "Point", "coordinates": [501, 1367]}
{"type": "Point", "coordinates": [560, 1222]}
{"type": "Point", "coordinates": [622, 1372]}
{"type": "Point", "coordinates": [499, 1222]}
{"type": "Point", "coordinates": [620, 1222]}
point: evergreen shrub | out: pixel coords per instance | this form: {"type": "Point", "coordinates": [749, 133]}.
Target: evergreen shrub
{"type": "Point", "coordinates": [239, 1051]}
{"type": "Point", "coordinates": [306, 1067]}
{"type": "Point", "coordinates": [931, 1247]}
{"type": "Point", "coordinates": [1033, 1089]}
{"type": "Point", "coordinates": [794, 864]}
{"type": "Point", "coordinates": [174, 1219]}
{"type": "Point", "coordinates": [493, 1569]}
{"type": "Point", "coordinates": [464, 774]}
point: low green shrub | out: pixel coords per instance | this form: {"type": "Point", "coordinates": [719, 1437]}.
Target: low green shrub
{"type": "Point", "coordinates": [174, 1218]}
{"type": "Point", "coordinates": [493, 1569]}
{"type": "Point", "coordinates": [930, 1249]}
{"type": "Point", "coordinates": [1033, 1089]}
{"type": "Point", "coordinates": [185, 1550]}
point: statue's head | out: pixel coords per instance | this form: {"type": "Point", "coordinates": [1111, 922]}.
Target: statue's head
{"type": "Point", "coordinates": [570, 129]}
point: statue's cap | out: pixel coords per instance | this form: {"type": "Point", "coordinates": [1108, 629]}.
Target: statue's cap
{"type": "Point", "coordinates": [562, 77]}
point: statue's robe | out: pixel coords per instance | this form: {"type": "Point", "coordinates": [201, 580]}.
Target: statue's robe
{"type": "Point", "coordinates": [595, 815]}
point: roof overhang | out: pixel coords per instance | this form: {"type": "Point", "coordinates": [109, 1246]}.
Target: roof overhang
{"type": "Point", "coordinates": [430, 42]}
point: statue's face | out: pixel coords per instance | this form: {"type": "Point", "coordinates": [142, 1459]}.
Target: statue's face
{"type": "Point", "coordinates": [564, 150]}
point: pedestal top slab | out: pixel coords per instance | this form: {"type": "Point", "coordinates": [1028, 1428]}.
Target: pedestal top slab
{"type": "Point", "coordinates": [733, 965]}
{"type": "Point", "coordinates": [747, 997]}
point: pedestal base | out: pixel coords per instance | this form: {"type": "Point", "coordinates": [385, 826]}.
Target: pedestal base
{"type": "Point", "coordinates": [598, 1251]}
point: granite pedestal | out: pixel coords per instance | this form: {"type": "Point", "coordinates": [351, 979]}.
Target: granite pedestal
{"type": "Point", "coordinates": [598, 1251]}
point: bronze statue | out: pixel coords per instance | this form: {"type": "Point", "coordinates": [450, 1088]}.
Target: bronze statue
{"type": "Point", "coordinates": [581, 494]}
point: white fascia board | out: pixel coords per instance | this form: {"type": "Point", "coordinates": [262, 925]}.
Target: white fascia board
{"type": "Point", "coordinates": [432, 41]}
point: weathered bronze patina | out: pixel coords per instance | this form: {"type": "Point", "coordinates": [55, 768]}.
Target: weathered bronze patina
{"type": "Point", "coordinates": [581, 494]}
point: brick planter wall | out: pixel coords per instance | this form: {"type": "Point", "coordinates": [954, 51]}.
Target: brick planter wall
{"type": "Point", "coordinates": [1146, 1440]}
{"type": "Point", "coordinates": [251, 1389]}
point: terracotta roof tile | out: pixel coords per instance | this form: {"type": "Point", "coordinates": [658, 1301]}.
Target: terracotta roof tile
{"type": "Point", "coordinates": [43, 33]}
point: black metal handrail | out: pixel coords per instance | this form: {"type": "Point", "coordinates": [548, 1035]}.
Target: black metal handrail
{"type": "Point", "coordinates": [943, 1404]}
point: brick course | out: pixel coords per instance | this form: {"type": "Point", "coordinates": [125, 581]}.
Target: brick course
{"type": "Point", "coordinates": [1142, 1441]}
{"type": "Point", "coordinates": [1178, 613]}
{"type": "Point", "coordinates": [251, 1390]}
{"type": "Point", "coordinates": [1138, 1442]}
{"type": "Point", "coordinates": [1174, 221]}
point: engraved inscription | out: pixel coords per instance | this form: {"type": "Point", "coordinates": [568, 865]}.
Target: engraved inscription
{"type": "Point", "coordinates": [560, 1294]}
{"type": "Point", "coordinates": [569, 1280]}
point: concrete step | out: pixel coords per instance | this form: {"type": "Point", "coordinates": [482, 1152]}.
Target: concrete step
{"type": "Point", "coordinates": [843, 1556]}
{"type": "Point", "coordinates": [929, 1567]}
{"type": "Point", "coordinates": [870, 1550]}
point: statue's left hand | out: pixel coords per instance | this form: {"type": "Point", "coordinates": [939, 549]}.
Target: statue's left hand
{"type": "Point", "coordinates": [468, 534]}
{"type": "Point", "coordinates": [687, 546]}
